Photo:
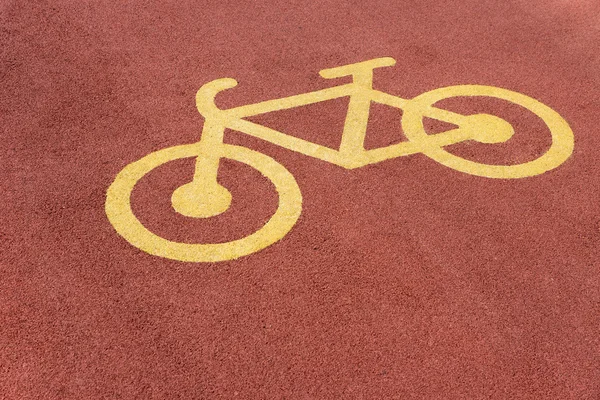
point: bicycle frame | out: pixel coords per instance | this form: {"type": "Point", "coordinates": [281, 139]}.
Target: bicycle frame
{"type": "Point", "coordinates": [351, 153]}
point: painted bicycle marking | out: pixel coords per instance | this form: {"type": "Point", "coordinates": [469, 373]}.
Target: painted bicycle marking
{"type": "Point", "coordinates": [205, 197]}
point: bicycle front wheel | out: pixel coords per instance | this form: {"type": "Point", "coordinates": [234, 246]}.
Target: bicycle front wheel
{"type": "Point", "coordinates": [559, 151]}
{"type": "Point", "coordinates": [119, 212]}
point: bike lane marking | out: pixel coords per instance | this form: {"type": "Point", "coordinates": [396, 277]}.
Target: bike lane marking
{"type": "Point", "coordinates": [204, 197]}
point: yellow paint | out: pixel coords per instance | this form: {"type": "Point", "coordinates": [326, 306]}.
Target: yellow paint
{"type": "Point", "coordinates": [118, 207]}
{"type": "Point", "coordinates": [204, 197]}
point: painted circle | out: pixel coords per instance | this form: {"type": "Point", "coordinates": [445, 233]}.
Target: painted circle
{"type": "Point", "coordinates": [119, 212]}
{"type": "Point", "coordinates": [559, 151]}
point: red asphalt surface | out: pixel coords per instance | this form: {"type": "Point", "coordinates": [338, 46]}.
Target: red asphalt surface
{"type": "Point", "coordinates": [401, 280]}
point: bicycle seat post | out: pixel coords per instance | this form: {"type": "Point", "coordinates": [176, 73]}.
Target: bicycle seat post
{"type": "Point", "coordinates": [355, 127]}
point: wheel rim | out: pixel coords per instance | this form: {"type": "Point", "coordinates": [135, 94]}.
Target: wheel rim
{"type": "Point", "coordinates": [562, 135]}
{"type": "Point", "coordinates": [119, 212]}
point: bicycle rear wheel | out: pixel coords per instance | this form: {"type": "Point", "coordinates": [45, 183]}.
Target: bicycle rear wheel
{"type": "Point", "coordinates": [119, 212]}
{"type": "Point", "coordinates": [559, 151]}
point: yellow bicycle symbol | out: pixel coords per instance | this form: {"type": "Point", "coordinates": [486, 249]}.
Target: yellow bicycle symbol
{"type": "Point", "coordinates": [204, 197]}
